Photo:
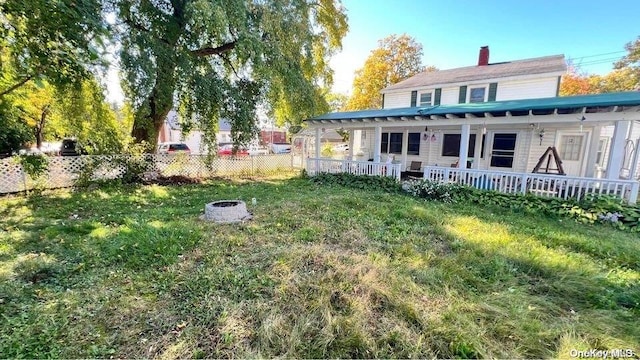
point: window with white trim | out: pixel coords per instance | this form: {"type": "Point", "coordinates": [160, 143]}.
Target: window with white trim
{"type": "Point", "coordinates": [602, 148]}
{"type": "Point", "coordinates": [477, 94]}
{"type": "Point", "coordinates": [426, 99]}
{"type": "Point", "coordinates": [391, 143]}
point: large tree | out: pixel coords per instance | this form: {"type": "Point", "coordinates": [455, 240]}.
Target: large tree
{"type": "Point", "coordinates": [396, 58]}
{"type": "Point", "coordinates": [57, 41]}
{"type": "Point", "coordinates": [631, 61]}
{"type": "Point", "coordinates": [220, 59]}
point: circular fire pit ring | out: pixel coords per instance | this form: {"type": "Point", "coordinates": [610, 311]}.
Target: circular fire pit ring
{"type": "Point", "coordinates": [226, 211]}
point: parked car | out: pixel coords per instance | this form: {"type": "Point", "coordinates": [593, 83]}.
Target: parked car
{"type": "Point", "coordinates": [341, 147]}
{"type": "Point", "coordinates": [70, 147]}
{"type": "Point", "coordinates": [280, 148]}
{"type": "Point", "coordinates": [227, 150]}
{"type": "Point", "coordinates": [173, 148]}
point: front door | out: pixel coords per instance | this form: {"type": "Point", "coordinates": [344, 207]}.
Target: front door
{"type": "Point", "coordinates": [503, 150]}
{"type": "Point", "coordinates": [572, 150]}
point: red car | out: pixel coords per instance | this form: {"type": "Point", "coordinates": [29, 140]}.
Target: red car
{"type": "Point", "coordinates": [227, 150]}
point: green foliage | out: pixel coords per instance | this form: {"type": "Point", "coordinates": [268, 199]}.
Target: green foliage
{"type": "Point", "coordinates": [593, 209]}
{"type": "Point", "coordinates": [396, 58]}
{"type": "Point", "coordinates": [57, 41]}
{"type": "Point", "coordinates": [13, 132]}
{"type": "Point", "coordinates": [34, 165]}
{"type": "Point", "coordinates": [631, 61]}
{"type": "Point", "coordinates": [431, 190]}
{"type": "Point", "coordinates": [86, 116]}
{"type": "Point", "coordinates": [223, 59]}
{"type": "Point", "coordinates": [362, 182]}
{"type": "Point", "coordinates": [133, 163]}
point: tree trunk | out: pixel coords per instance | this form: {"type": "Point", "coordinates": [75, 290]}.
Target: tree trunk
{"type": "Point", "coordinates": [148, 129]}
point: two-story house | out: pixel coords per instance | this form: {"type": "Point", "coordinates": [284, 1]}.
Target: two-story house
{"type": "Point", "coordinates": [511, 80]}
{"type": "Point", "coordinates": [496, 117]}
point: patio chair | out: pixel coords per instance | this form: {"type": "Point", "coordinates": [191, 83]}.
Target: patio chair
{"type": "Point", "coordinates": [415, 166]}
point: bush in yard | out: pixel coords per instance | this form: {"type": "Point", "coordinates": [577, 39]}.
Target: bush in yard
{"type": "Point", "coordinates": [364, 182]}
{"type": "Point", "coordinates": [592, 209]}
{"type": "Point", "coordinates": [133, 163]}
{"type": "Point", "coordinates": [432, 190]}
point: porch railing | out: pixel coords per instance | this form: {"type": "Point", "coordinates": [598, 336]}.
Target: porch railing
{"type": "Point", "coordinates": [321, 165]}
{"type": "Point", "coordinates": [557, 186]}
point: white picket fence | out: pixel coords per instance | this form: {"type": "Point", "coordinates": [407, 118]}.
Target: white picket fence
{"type": "Point", "coordinates": [557, 186]}
{"type": "Point", "coordinates": [64, 171]}
{"type": "Point", "coordinates": [333, 166]}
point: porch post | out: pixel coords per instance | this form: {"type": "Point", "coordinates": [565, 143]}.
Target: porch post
{"type": "Point", "coordinates": [592, 151]}
{"type": "Point", "coordinates": [478, 149]}
{"type": "Point", "coordinates": [351, 142]}
{"type": "Point", "coordinates": [464, 146]}
{"type": "Point", "coordinates": [405, 148]}
{"type": "Point", "coordinates": [318, 130]}
{"type": "Point", "coordinates": [616, 154]}
{"type": "Point", "coordinates": [377, 139]}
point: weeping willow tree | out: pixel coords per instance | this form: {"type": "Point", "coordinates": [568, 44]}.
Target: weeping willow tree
{"type": "Point", "coordinates": [221, 59]}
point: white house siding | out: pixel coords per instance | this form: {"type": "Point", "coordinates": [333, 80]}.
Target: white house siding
{"type": "Point", "coordinates": [397, 100]}
{"type": "Point", "coordinates": [449, 96]}
{"type": "Point", "coordinates": [508, 89]}
{"type": "Point", "coordinates": [527, 89]}
{"type": "Point", "coordinates": [535, 148]}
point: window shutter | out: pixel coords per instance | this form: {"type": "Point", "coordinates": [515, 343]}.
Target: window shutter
{"type": "Point", "coordinates": [438, 95]}
{"type": "Point", "coordinates": [462, 97]}
{"type": "Point", "coordinates": [383, 101]}
{"type": "Point", "coordinates": [493, 89]}
{"type": "Point", "coordinates": [414, 98]}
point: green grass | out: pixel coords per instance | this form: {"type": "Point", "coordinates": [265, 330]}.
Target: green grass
{"type": "Point", "coordinates": [321, 271]}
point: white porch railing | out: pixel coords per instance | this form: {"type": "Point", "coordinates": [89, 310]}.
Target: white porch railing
{"type": "Point", "coordinates": [320, 165]}
{"type": "Point", "coordinates": [557, 186]}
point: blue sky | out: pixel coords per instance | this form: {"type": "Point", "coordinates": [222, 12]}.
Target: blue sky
{"type": "Point", "coordinates": [452, 31]}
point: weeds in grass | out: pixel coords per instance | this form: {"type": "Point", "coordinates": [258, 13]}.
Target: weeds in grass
{"type": "Point", "coordinates": [321, 271]}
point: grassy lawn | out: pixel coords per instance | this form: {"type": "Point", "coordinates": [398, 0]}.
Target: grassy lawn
{"type": "Point", "coordinates": [320, 272]}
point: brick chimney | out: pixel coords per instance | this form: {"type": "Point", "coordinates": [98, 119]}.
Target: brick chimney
{"type": "Point", "coordinates": [483, 58]}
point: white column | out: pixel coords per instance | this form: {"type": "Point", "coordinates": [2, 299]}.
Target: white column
{"type": "Point", "coordinates": [592, 151]}
{"type": "Point", "coordinates": [377, 139]}
{"type": "Point", "coordinates": [351, 142]}
{"type": "Point", "coordinates": [478, 149]}
{"type": "Point", "coordinates": [405, 148]}
{"type": "Point", "coordinates": [616, 155]}
{"type": "Point", "coordinates": [464, 146]}
{"type": "Point", "coordinates": [318, 130]}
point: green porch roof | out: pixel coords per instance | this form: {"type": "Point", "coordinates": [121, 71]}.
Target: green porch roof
{"type": "Point", "coordinates": [542, 106]}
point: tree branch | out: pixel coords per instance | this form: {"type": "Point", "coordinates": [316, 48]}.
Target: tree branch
{"type": "Point", "coordinates": [216, 50]}
{"type": "Point", "coordinates": [16, 85]}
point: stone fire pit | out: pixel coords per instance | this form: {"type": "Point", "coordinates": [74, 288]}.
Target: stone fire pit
{"type": "Point", "coordinates": [226, 211]}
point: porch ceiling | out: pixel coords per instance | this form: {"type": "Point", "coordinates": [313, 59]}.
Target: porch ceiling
{"type": "Point", "coordinates": [569, 109]}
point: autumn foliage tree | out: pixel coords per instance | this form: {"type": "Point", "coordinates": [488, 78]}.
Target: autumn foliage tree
{"type": "Point", "coordinates": [625, 76]}
{"type": "Point", "coordinates": [396, 58]}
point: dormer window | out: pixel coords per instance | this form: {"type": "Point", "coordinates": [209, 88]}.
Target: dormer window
{"type": "Point", "coordinates": [425, 99]}
{"type": "Point", "coordinates": [477, 95]}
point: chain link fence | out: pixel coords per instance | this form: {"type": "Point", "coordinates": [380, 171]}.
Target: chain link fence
{"type": "Point", "coordinates": [65, 171]}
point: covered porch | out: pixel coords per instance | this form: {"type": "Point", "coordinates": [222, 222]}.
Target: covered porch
{"type": "Point", "coordinates": [595, 136]}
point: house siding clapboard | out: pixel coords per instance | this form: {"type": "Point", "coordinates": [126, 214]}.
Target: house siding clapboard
{"type": "Point", "coordinates": [527, 89]}
{"type": "Point", "coordinates": [512, 89]}
{"type": "Point", "coordinates": [397, 100]}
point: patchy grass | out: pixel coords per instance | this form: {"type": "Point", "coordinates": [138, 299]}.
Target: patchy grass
{"type": "Point", "coordinates": [321, 271]}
